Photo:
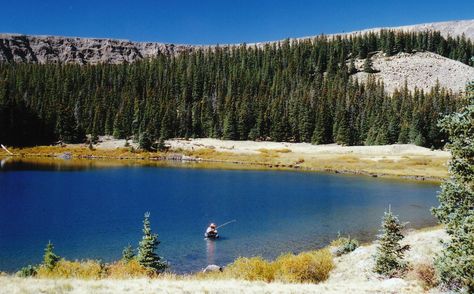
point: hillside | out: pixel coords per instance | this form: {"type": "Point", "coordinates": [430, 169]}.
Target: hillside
{"type": "Point", "coordinates": [57, 49]}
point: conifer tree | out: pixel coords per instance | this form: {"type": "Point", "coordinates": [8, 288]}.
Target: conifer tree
{"type": "Point", "coordinates": [352, 68]}
{"type": "Point", "coordinates": [230, 126]}
{"type": "Point", "coordinates": [455, 264]}
{"type": "Point", "coordinates": [50, 259]}
{"type": "Point", "coordinates": [368, 65]}
{"type": "Point", "coordinates": [128, 254]}
{"type": "Point", "coordinates": [145, 141]}
{"type": "Point", "coordinates": [390, 253]}
{"type": "Point", "coordinates": [146, 249]}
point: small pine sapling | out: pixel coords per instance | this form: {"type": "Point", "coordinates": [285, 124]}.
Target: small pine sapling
{"type": "Point", "coordinates": [146, 249]}
{"type": "Point", "coordinates": [390, 253]}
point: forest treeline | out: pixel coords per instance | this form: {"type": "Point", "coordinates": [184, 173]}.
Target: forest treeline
{"type": "Point", "coordinates": [288, 91]}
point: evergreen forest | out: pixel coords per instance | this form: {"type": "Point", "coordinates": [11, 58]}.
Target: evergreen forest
{"type": "Point", "coordinates": [293, 90]}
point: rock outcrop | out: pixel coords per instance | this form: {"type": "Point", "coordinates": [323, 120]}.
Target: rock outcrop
{"type": "Point", "coordinates": [420, 70]}
{"type": "Point", "coordinates": [52, 49]}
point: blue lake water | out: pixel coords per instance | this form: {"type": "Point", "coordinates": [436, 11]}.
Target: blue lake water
{"type": "Point", "coordinates": [96, 212]}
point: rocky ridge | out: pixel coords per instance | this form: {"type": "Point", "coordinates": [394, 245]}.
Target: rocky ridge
{"type": "Point", "coordinates": [54, 49]}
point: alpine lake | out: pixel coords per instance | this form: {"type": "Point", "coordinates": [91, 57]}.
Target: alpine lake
{"type": "Point", "coordinates": [92, 209]}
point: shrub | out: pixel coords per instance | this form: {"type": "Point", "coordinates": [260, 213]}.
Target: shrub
{"type": "Point", "coordinates": [127, 269]}
{"type": "Point", "coordinates": [251, 269]}
{"type": "Point", "coordinates": [27, 271]}
{"type": "Point", "coordinates": [307, 267]}
{"type": "Point", "coordinates": [89, 269]}
{"type": "Point", "coordinates": [346, 245]}
{"type": "Point", "coordinates": [426, 273]}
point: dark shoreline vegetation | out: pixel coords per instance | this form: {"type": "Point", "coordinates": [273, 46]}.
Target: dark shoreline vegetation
{"type": "Point", "coordinates": [287, 91]}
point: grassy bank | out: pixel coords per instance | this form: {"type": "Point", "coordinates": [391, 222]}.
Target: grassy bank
{"type": "Point", "coordinates": [349, 273]}
{"type": "Point", "coordinates": [425, 165]}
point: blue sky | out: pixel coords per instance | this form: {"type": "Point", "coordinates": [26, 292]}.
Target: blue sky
{"type": "Point", "coordinates": [213, 21]}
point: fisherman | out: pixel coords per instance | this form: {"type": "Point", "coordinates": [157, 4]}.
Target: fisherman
{"type": "Point", "coordinates": [211, 231]}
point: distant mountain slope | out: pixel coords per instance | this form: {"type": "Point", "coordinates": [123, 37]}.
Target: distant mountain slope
{"type": "Point", "coordinates": [447, 28]}
{"type": "Point", "coordinates": [56, 49]}
{"type": "Point", "coordinates": [420, 70]}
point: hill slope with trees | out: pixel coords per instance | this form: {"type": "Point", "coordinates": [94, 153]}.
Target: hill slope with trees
{"type": "Point", "coordinates": [301, 91]}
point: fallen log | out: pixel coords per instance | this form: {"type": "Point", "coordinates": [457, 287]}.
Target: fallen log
{"type": "Point", "coordinates": [5, 148]}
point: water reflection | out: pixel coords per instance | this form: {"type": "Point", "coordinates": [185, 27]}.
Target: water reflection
{"type": "Point", "coordinates": [4, 161]}
{"type": "Point", "coordinates": [210, 250]}
{"type": "Point", "coordinates": [75, 164]}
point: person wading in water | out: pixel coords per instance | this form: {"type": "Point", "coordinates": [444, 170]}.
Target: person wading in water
{"type": "Point", "coordinates": [211, 232]}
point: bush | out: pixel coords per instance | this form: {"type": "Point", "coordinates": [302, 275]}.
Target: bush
{"type": "Point", "coordinates": [251, 269]}
{"type": "Point", "coordinates": [27, 271]}
{"type": "Point", "coordinates": [124, 270]}
{"type": "Point", "coordinates": [307, 267]}
{"type": "Point", "coordinates": [426, 273]}
{"type": "Point", "coordinates": [89, 269]}
{"type": "Point", "coordinates": [345, 245]}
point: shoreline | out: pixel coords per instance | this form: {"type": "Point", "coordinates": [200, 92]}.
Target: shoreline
{"type": "Point", "coordinates": [405, 162]}
{"type": "Point", "coordinates": [352, 272]}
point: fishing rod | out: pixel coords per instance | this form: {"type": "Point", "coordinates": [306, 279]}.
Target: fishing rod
{"type": "Point", "coordinates": [225, 224]}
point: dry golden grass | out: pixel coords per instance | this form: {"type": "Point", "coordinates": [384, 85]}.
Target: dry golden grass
{"type": "Point", "coordinates": [125, 270]}
{"type": "Point", "coordinates": [306, 267]}
{"type": "Point", "coordinates": [89, 269]}
{"type": "Point", "coordinates": [251, 269]}
{"type": "Point", "coordinates": [426, 273]}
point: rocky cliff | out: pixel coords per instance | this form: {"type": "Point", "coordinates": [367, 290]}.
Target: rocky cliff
{"type": "Point", "coordinates": [51, 49]}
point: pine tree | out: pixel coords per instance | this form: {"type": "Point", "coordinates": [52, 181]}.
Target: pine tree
{"type": "Point", "coordinates": [368, 65]}
{"type": "Point", "coordinates": [50, 259]}
{"type": "Point", "coordinates": [230, 126]}
{"type": "Point", "coordinates": [455, 264]}
{"type": "Point", "coordinates": [128, 254]}
{"type": "Point", "coordinates": [145, 141]}
{"type": "Point", "coordinates": [389, 256]}
{"type": "Point", "coordinates": [352, 68]}
{"type": "Point", "coordinates": [146, 249]}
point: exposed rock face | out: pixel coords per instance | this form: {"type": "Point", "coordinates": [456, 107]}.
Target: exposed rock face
{"type": "Point", "coordinates": [420, 70]}
{"type": "Point", "coordinates": [50, 49]}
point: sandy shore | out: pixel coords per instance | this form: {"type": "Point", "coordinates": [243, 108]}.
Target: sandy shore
{"type": "Point", "coordinates": [352, 274]}
{"type": "Point", "coordinates": [395, 151]}
{"type": "Point", "coordinates": [398, 160]}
